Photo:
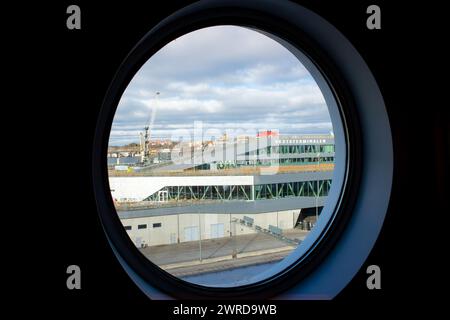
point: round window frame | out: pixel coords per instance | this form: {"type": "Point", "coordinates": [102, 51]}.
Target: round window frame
{"type": "Point", "coordinates": [282, 23]}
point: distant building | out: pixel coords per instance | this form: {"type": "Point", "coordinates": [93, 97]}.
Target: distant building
{"type": "Point", "coordinates": [270, 178]}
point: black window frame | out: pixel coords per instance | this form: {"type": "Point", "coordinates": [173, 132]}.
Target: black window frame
{"type": "Point", "coordinates": [255, 15]}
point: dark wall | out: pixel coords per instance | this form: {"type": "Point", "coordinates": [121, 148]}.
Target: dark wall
{"type": "Point", "coordinates": [72, 72]}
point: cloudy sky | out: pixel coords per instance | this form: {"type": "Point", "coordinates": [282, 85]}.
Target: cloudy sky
{"type": "Point", "coordinates": [229, 79]}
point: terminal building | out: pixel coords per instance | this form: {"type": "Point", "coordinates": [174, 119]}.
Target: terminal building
{"type": "Point", "coordinates": [264, 184]}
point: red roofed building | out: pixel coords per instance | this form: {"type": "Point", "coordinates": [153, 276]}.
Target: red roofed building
{"type": "Point", "coordinates": [268, 133]}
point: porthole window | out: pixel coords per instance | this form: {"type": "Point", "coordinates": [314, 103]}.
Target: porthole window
{"type": "Point", "coordinates": [208, 142]}
{"type": "Point", "coordinates": [234, 135]}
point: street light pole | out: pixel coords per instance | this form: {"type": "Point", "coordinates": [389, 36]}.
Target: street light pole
{"type": "Point", "coordinates": [317, 190]}
{"type": "Point", "coordinates": [200, 236]}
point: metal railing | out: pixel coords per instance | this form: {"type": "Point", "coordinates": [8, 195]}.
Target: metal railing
{"type": "Point", "coordinates": [272, 231]}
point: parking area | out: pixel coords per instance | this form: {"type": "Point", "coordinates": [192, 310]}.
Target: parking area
{"type": "Point", "coordinates": [221, 253]}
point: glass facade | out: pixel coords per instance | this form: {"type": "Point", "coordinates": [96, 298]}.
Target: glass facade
{"type": "Point", "coordinates": [294, 149]}
{"type": "Point", "coordinates": [293, 189]}
{"type": "Point", "coordinates": [242, 192]}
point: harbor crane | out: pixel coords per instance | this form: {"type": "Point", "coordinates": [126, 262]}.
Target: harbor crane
{"type": "Point", "coordinates": [144, 137]}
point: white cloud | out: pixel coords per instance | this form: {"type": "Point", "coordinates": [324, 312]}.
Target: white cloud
{"type": "Point", "coordinates": [226, 77]}
{"type": "Point", "coordinates": [178, 105]}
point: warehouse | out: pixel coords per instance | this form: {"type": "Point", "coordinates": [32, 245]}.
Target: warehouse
{"type": "Point", "coordinates": [192, 215]}
{"type": "Point", "coordinates": [174, 228]}
{"type": "Point", "coordinates": [162, 207]}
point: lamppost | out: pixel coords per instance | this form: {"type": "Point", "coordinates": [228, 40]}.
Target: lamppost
{"type": "Point", "coordinates": [317, 190]}
{"type": "Point", "coordinates": [200, 237]}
